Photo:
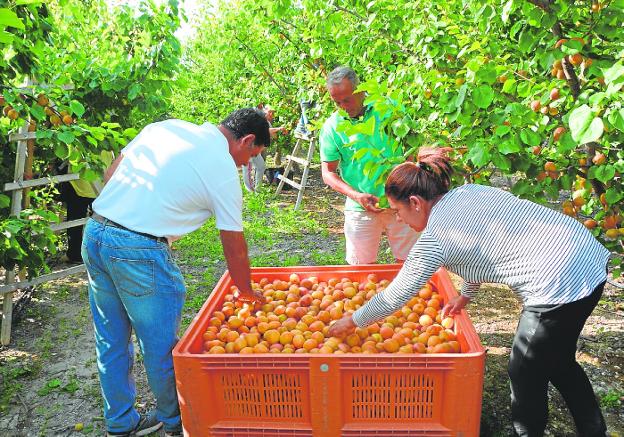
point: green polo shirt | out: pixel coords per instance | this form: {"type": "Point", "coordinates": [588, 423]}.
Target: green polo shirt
{"type": "Point", "coordinates": [339, 142]}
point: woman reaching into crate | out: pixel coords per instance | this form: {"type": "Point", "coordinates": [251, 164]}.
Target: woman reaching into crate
{"type": "Point", "coordinates": [485, 234]}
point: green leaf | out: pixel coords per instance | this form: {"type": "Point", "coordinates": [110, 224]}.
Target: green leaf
{"type": "Point", "coordinates": [508, 147]}
{"type": "Point", "coordinates": [616, 118]}
{"type": "Point", "coordinates": [66, 136]}
{"type": "Point", "coordinates": [5, 201]}
{"type": "Point", "coordinates": [360, 153]}
{"type": "Point", "coordinates": [604, 173]}
{"type": "Point", "coordinates": [37, 112]}
{"type": "Point", "coordinates": [506, 11]}
{"type": "Point", "coordinates": [77, 108]}
{"type": "Point", "coordinates": [482, 97]}
{"type": "Point", "coordinates": [400, 128]}
{"type": "Point", "coordinates": [521, 188]}
{"type": "Point", "coordinates": [613, 196]}
{"type": "Point", "coordinates": [134, 91]}
{"type": "Point", "coordinates": [595, 99]}
{"type": "Point", "coordinates": [8, 18]}
{"type": "Point", "coordinates": [584, 126]}
{"type": "Point", "coordinates": [366, 128]}
{"type": "Point", "coordinates": [529, 137]}
{"type": "Point", "coordinates": [515, 28]}
{"type": "Point", "coordinates": [130, 132]}
{"type": "Point", "coordinates": [478, 154]}
{"type": "Point", "coordinates": [44, 134]}
{"type": "Point", "coordinates": [524, 89]}
{"type": "Point", "coordinates": [509, 86]}
{"type": "Point", "coordinates": [566, 143]}
{"type": "Point", "coordinates": [526, 41]}
{"type": "Point", "coordinates": [487, 75]}
{"type": "Point", "coordinates": [535, 17]}
{"type": "Point", "coordinates": [461, 95]}
{"type": "Point", "coordinates": [502, 130]}
{"type": "Point", "coordinates": [61, 151]}
{"type": "Point", "coordinates": [90, 175]}
{"type": "Point", "coordinates": [369, 168]}
{"type": "Point", "coordinates": [6, 37]}
{"type": "Point", "coordinates": [571, 47]}
{"type": "Point", "coordinates": [501, 162]}
{"type": "Point", "coordinates": [614, 73]}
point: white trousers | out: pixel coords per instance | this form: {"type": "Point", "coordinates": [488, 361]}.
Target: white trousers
{"type": "Point", "coordinates": [363, 231]}
{"type": "Point", "coordinates": [253, 173]}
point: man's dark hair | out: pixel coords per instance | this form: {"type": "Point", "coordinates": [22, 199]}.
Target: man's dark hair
{"type": "Point", "coordinates": [247, 121]}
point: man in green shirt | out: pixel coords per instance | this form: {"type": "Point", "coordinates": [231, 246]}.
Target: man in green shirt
{"type": "Point", "coordinates": [343, 172]}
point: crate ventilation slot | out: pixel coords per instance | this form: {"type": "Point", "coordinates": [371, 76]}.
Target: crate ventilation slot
{"type": "Point", "coordinates": [263, 395]}
{"type": "Point", "coordinates": [392, 396]}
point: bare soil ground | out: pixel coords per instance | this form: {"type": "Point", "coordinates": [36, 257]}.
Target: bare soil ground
{"type": "Point", "coordinates": [49, 382]}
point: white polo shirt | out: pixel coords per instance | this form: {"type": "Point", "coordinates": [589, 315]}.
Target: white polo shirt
{"type": "Point", "coordinates": [173, 177]}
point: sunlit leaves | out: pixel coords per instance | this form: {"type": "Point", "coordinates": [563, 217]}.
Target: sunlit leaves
{"type": "Point", "coordinates": [483, 96]}
{"type": "Point", "coordinates": [466, 73]}
{"type": "Point", "coordinates": [8, 18]}
{"type": "Point", "coordinates": [584, 125]}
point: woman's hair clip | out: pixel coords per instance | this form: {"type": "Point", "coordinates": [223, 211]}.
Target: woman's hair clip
{"type": "Point", "coordinates": [422, 166]}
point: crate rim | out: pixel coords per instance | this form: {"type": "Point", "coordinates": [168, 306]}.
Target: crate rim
{"type": "Point", "coordinates": [182, 347]}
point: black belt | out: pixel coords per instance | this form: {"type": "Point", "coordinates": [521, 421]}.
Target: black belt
{"type": "Point", "coordinates": [103, 220]}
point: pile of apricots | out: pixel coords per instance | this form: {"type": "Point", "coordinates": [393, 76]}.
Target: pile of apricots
{"type": "Point", "coordinates": [297, 313]}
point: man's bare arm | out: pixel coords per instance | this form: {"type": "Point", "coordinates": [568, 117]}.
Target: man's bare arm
{"type": "Point", "coordinates": [111, 169]}
{"type": "Point", "coordinates": [237, 259]}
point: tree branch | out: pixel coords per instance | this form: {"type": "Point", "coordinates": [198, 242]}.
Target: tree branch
{"type": "Point", "coordinates": [571, 77]}
{"type": "Point", "coordinates": [542, 4]}
{"type": "Point", "coordinates": [598, 186]}
{"type": "Point", "coordinates": [355, 14]}
{"type": "Point", "coordinates": [259, 63]}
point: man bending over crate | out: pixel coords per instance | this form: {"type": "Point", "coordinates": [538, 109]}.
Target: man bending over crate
{"type": "Point", "coordinates": [166, 183]}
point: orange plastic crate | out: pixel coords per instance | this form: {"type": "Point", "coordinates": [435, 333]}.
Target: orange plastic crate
{"type": "Point", "coordinates": [327, 395]}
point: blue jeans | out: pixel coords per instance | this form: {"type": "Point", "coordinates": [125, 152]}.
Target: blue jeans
{"type": "Point", "coordinates": [134, 284]}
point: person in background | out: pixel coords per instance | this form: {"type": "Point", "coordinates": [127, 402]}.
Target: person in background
{"type": "Point", "coordinates": [166, 183]}
{"type": "Point", "coordinates": [78, 196]}
{"type": "Point", "coordinates": [365, 221]}
{"type": "Point", "coordinates": [254, 170]}
{"type": "Point", "coordinates": [485, 234]}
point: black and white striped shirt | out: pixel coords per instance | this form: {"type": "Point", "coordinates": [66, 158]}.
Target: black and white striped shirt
{"type": "Point", "coordinates": [485, 234]}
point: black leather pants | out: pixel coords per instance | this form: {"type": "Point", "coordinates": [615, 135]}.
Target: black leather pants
{"type": "Point", "coordinates": [543, 351]}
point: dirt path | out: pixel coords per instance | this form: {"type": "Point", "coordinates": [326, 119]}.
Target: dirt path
{"type": "Point", "coordinates": [49, 380]}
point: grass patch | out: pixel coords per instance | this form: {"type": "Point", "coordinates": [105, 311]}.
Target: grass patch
{"type": "Point", "coordinates": [322, 258]}
{"type": "Point", "coordinates": [12, 372]}
{"type": "Point", "coordinates": [612, 399]}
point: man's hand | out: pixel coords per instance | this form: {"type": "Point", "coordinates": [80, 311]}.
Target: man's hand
{"type": "Point", "coordinates": [255, 298]}
{"type": "Point", "coordinates": [273, 131]}
{"type": "Point", "coordinates": [455, 305]}
{"type": "Point", "coordinates": [342, 327]}
{"type": "Point", "coordinates": [368, 201]}
{"type": "Point", "coordinates": [329, 171]}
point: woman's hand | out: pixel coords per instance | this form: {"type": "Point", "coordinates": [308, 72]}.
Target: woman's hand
{"type": "Point", "coordinates": [342, 327]}
{"type": "Point", "coordinates": [455, 305]}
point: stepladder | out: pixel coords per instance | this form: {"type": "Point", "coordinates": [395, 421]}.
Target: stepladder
{"type": "Point", "coordinates": [295, 158]}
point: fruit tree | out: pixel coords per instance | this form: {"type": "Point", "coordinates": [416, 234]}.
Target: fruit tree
{"type": "Point", "coordinates": [527, 90]}
{"type": "Point", "coordinates": [99, 73]}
